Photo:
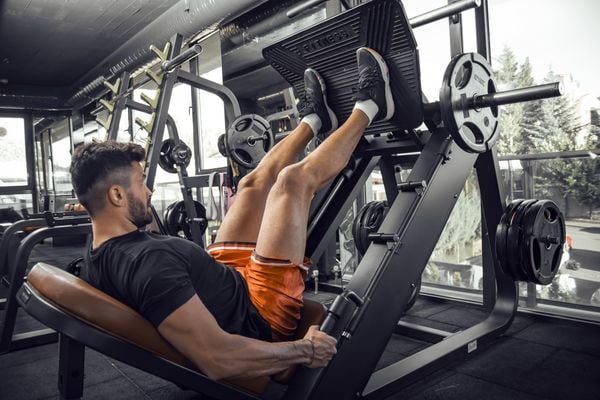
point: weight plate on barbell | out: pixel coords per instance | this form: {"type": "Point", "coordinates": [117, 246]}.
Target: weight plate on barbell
{"type": "Point", "coordinates": [368, 220]}
{"type": "Point", "coordinates": [173, 153]}
{"type": "Point", "coordinates": [475, 130]}
{"type": "Point", "coordinates": [177, 222]}
{"type": "Point", "coordinates": [248, 139]}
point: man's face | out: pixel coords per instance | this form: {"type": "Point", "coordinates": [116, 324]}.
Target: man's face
{"type": "Point", "coordinates": [138, 198]}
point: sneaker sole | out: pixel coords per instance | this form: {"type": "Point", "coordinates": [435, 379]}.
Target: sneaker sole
{"type": "Point", "coordinates": [389, 100]}
{"type": "Point", "coordinates": [332, 116]}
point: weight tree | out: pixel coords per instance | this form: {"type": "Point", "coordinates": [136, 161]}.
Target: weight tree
{"type": "Point", "coordinates": [462, 129]}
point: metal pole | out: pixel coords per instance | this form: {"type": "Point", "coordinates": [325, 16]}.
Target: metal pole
{"type": "Point", "coordinates": [443, 12]}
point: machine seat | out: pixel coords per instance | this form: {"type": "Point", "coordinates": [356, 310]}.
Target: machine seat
{"type": "Point", "coordinates": [55, 290]}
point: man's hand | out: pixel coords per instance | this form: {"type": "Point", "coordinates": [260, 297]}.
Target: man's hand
{"type": "Point", "coordinates": [323, 347]}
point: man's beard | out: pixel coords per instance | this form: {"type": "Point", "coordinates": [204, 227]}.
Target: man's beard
{"type": "Point", "coordinates": [138, 214]}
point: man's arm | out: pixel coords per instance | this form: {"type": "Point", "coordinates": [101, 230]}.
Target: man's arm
{"type": "Point", "coordinates": [193, 331]}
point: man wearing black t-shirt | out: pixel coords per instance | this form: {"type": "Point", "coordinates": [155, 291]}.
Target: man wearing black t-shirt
{"type": "Point", "coordinates": [230, 308]}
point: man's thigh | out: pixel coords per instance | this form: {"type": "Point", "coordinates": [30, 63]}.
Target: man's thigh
{"type": "Point", "coordinates": [275, 286]}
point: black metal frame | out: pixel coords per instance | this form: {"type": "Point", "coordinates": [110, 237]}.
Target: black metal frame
{"type": "Point", "coordinates": [8, 340]}
{"type": "Point", "coordinates": [365, 315]}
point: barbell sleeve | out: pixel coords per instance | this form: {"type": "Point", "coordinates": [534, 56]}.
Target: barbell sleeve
{"type": "Point", "coordinates": [176, 61]}
{"type": "Point", "coordinates": [548, 90]}
{"type": "Point", "coordinates": [443, 12]}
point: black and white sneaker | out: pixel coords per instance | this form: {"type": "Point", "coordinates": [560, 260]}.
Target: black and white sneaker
{"type": "Point", "coordinates": [315, 102]}
{"type": "Point", "coordinates": [374, 82]}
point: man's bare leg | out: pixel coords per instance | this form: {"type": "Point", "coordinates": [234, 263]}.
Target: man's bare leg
{"type": "Point", "coordinates": [283, 230]}
{"type": "Point", "coordinates": [243, 220]}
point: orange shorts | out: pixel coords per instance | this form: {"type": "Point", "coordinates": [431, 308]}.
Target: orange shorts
{"type": "Point", "coordinates": [275, 286]}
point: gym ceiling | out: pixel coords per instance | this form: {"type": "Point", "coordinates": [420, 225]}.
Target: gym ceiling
{"type": "Point", "coordinates": [53, 53]}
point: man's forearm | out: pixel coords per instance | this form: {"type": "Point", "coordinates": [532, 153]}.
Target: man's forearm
{"type": "Point", "coordinates": [255, 358]}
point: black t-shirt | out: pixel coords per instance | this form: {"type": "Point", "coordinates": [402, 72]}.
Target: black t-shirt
{"type": "Point", "coordinates": [157, 274]}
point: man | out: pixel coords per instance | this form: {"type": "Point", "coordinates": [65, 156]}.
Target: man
{"type": "Point", "coordinates": [213, 305]}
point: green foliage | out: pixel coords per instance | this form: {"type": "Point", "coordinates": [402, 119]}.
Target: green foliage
{"type": "Point", "coordinates": [510, 115]}
{"type": "Point", "coordinates": [548, 126]}
{"type": "Point", "coordinates": [465, 220]}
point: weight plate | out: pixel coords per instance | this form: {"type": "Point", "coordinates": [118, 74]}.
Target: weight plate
{"type": "Point", "coordinates": [512, 244]}
{"type": "Point", "coordinates": [164, 160]}
{"type": "Point", "coordinates": [173, 153]}
{"type": "Point", "coordinates": [501, 237]}
{"type": "Point", "coordinates": [545, 242]}
{"type": "Point", "coordinates": [177, 222]}
{"type": "Point", "coordinates": [248, 139]}
{"type": "Point", "coordinates": [474, 130]}
{"type": "Point", "coordinates": [368, 220]}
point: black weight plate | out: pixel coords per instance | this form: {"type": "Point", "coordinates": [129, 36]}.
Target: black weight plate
{"type": "Point", "coordinates": [524, 240]}
{"type": "Point", "coordinates": [545, 256]}
{"type": "Point", "coordinates": [176, 219]}
{"type": "Point", "coordinates": [512, 244]}
{"type": "Point", "coordinates": [521, 249]}
{"type": "Point", "coordinates": [501, 235]}
{"type": "Point", "coordinates": [368, 220]}
{"type": "Point", "coordinates": [181, 154]}
{"type": "Point", "coordinates": [474, 130]}
{"type": "Point", "coordinates": [243, 150]}
{"type": "Point", "coordinates": [165, 160]}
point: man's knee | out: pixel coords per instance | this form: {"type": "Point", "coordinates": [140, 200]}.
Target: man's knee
{"type": "Point", "coordinates": [255, 180]}
{"type": "Point", "coordinates": [295, 179]}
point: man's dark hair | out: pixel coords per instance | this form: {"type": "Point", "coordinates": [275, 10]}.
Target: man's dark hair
{"type": "Point", "coordinates": [96, 166]}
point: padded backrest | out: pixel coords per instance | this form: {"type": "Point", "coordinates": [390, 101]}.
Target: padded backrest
{"type": "Point", "coordinates": [78, 298]}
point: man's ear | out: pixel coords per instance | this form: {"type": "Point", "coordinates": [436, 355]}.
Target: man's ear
{"type": "Point", "coordinates": [116, 196]}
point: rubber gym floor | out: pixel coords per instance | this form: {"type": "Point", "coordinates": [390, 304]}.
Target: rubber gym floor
{"type": "Point", "coordinates": [537, 358]}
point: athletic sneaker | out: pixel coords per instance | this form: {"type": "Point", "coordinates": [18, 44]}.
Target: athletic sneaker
{"type": "Point", "coordinates": [374, 82]}
{"type": "Point", "coordinates": [315, 102]}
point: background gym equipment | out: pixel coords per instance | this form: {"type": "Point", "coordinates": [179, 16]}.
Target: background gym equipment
{"type": "Point", "coordinates": [248, 139]}
{"type": "Point", "coordinates": [530, 239]}
{"type": "Point", "coordinates": [367, 221]}
{"type": "Point", "coordinates": [10, 341]}
{"type": "Point", "coordinates": [174, 153]}
{"type": "Point", "coordinates": [178, 223]}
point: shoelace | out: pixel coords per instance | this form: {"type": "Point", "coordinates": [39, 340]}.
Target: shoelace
{"type": "Point", "coordinates": [306, 106]}
{"type": "Point", "coordinates": [369, 77]}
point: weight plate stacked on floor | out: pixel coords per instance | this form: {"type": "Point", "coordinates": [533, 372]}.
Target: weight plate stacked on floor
{"type": "Point", "coordinates": [530, 239]}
